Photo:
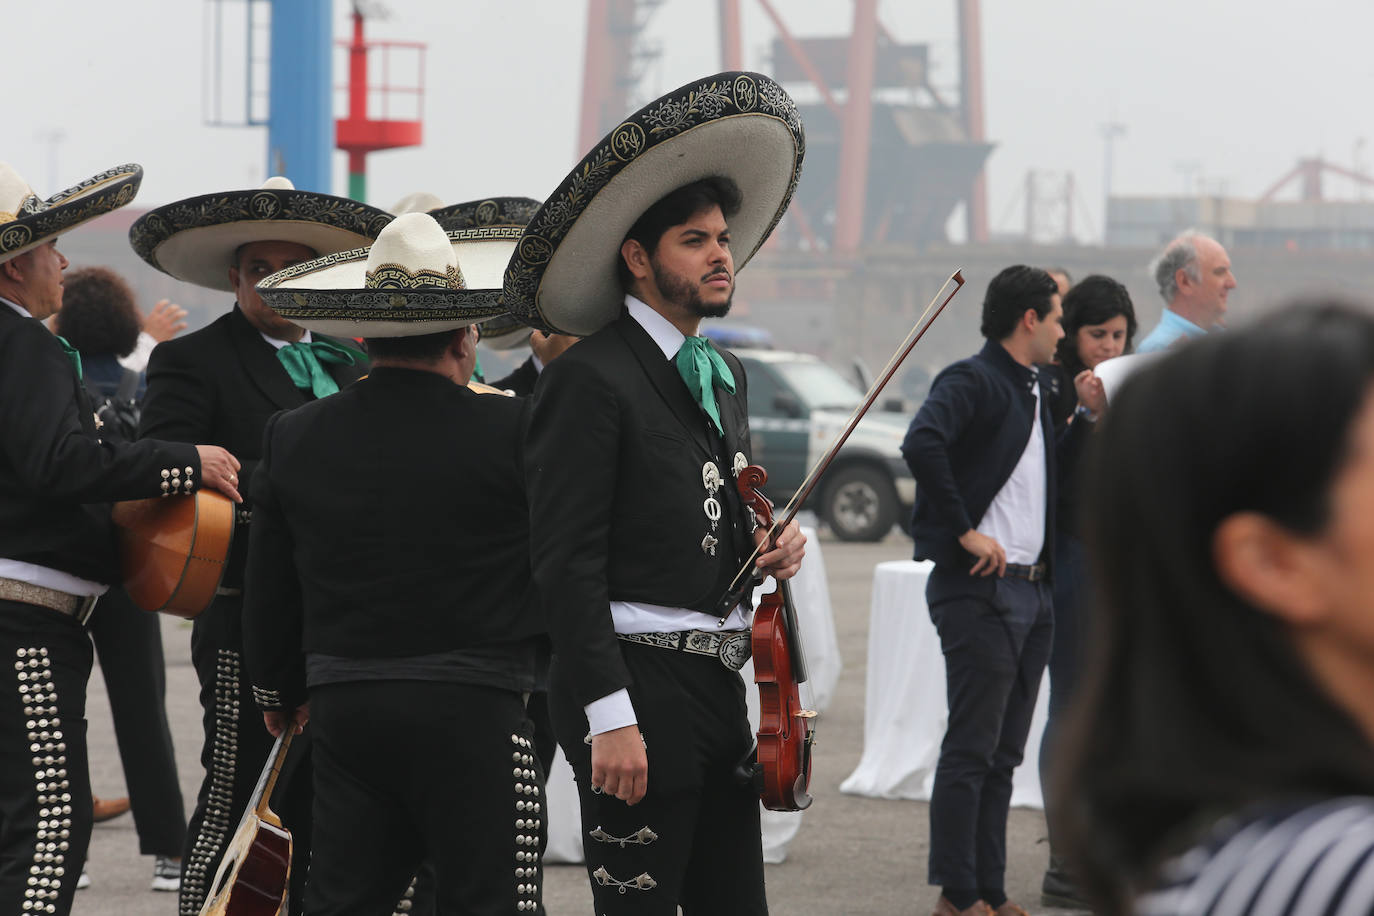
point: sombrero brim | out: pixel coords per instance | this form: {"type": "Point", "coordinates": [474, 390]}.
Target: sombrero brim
{"type": "Point", "coordinates": [329, 294]}
{"type": "Point", "coordinates": [743, 126]}
{"type": "Point", "coordinates": [490, 211]}
{"type": "Point", "coordinates": [505, 332]}
{"type": "Point", "coordinates": [195, 239]}
{"type": "Point", "coordinates": [96, 196]}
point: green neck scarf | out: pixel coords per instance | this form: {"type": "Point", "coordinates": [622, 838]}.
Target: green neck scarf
{"type": "Point", "coordinates": [302, 362]}
{"type": "Point", "coordinates": [73, 354]}
{"type": "Point", "coordinates": [702, 368]}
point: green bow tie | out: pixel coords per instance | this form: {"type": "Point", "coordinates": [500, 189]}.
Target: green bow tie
{"type": "Point", "coordinates": [302, 362]}
{"type": "Point", "coordinates": [73, 353]}
{"type": "Point", "coordinates": [702, 368]}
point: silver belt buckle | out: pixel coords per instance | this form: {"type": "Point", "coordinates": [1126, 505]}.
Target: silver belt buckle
{"type": "Point", "coordinates": [84, 608]}
{"type": "Point", "coordinates": [735, 650]}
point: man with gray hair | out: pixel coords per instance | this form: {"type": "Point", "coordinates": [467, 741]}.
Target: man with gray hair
{"type": "Point", "coordinates": [1194, 277]}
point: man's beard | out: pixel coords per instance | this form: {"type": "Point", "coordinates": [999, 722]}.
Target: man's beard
{"type": "Point", "coordinates": [683, 293]}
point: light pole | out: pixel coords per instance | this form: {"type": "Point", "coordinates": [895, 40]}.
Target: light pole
{"type": "Point", "coordinates": [1110, 132]}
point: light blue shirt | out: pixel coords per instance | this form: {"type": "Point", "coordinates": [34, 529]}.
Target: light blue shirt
{"type": "Point", "coordinates": [1172, 327]}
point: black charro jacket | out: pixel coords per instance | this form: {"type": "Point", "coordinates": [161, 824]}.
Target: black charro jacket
{"type": "Point", "coordinates": [218, 386]}
{"type": "Point", "coordinates": [57, 477]}
{"type": "Point", "coordinates": [615, 459]}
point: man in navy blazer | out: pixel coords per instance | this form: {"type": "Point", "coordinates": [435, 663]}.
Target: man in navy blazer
{"type": "Point", "coordinates": [984, 454]}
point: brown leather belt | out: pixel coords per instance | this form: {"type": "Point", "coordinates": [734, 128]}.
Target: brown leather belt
{"type": "Point", "coordinates": [78, 606]}
{"type": "Point", "coordinates": [1033, 573]}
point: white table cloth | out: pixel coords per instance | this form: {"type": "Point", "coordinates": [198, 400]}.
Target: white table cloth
{"type": "Point", "coordinates": [811, 595]}
{"type": "Point", "coordinates": [905, 709]}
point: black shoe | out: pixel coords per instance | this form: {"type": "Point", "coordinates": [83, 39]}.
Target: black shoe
{"type": "Point", "coordinates": [1059, 890]}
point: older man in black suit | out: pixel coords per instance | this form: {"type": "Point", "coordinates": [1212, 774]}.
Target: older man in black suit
{"type": "Point", "coordinates": [57, 546]}
{"type": "Point", "coordinates": [221, 384]}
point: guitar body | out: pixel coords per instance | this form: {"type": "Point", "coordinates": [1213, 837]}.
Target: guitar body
{"type": "Point", "coordinates": [785, 733]}
{"type": "Point", "coordinates": [255, 871]}
{"type": "Point", "coordinates": [253, 877]}
{"type": "Point", "coordinates": [173, 551]}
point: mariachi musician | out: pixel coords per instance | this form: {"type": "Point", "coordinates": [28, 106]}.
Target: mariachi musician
{"type": "Point", "coordinates": [220, 384]}
{"type": "Point", "coordinates": [635, 439]}
{"type": "Point", "coordinates": [413, 636]}
{"type": "Point", "coordinates": [57, 545]}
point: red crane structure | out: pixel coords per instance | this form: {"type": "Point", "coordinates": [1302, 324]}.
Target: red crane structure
{"type": "Point", "coordinates": [877, 170]}
{"type": "Point", "coordinates": [359, 134]}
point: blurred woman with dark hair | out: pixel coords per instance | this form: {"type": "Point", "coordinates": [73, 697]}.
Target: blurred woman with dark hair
{"type": "Point", "coordinates": [1099, 324]}
{"type": "Point", "coordinates": [1220, 755]}
{"type": "Point", "coordinates": [100, 319]}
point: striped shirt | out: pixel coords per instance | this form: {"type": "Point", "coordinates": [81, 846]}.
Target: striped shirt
{"type": "Point", "coordinates": [1293, 860]}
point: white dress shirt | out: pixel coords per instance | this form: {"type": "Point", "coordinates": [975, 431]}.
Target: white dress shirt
{"type": "Point", "coordinates": [1016, 518]}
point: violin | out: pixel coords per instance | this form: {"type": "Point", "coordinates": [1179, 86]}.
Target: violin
{"type": "Point", "coordinates": [787, 730]}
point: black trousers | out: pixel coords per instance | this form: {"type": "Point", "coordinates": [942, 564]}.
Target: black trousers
{"type": "Point", "coordinates": [995, 635]}
{"type": "Point", "coordinates": [235, 748]}
{"type": "Point", "coordinates": [128, 641]}
{"type": "Point", "coordinates": [417, 771]}
{"type": "Point", "coordinates": [694, 841]}
{"type": "Point", "coordinates": [1071, 589]}
{"type": "Point", "coordinates": [45, 784]}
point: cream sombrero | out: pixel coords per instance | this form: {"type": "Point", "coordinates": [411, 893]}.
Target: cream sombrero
{"type": "Point", "coordinates": [505, 332]}
{"type": "Point", "coordinates": [740, 125]}
{"type": "Point", "coordinates": [410, 282]}
{"type": "Point", "coordinates": [26, 221]}
{"type": "Point", "coordinates": [195, 239]}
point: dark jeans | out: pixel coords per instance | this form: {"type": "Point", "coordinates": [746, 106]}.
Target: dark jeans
{"type": "Point", "coordinates": [1070, 588]}
{"type": "Point", "coordinates": [129, 643]}
{"type": "Point", "coordinates": [995, 635]}
{"type": "Point", "coordinates": [45, 789]}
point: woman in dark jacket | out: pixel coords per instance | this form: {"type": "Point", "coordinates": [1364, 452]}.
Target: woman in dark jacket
{"type": "Point", "coordinates": [1099, 324]}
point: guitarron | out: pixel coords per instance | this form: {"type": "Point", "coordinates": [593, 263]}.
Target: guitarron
{"type": "Point", "coordinates": [173, 551]}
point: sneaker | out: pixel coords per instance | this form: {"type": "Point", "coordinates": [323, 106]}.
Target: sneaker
{"type": "Point", "coordinates": [166, 874]}
{"type": "Point", "coordinates": [84, 881]}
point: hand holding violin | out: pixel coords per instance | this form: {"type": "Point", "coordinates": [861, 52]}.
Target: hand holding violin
{"type": "Point", "coordinates": [783, 561]}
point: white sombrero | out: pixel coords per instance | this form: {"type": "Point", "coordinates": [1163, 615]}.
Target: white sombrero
{"type": "Point", "coordinates": [743, 126]}
{"type": "Point", "coordinates": [26, 221]}
{"type": "Point", "coordinates": [410, 282]}
{"type": "Point", "coordinates": [195, 239]}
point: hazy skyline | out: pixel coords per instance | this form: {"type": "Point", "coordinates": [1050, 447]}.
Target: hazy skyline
{"type": "Point", "coordinates": [1215, 91]}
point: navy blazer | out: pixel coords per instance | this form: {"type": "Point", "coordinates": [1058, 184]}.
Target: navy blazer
{"type": "Point", "coordinates": [966, 440]}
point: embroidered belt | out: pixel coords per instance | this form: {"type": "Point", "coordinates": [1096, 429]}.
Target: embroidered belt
{"type": "Point", "coordinates": [732, 647]}
{"type": "Point", "coordinates": [78, 606]}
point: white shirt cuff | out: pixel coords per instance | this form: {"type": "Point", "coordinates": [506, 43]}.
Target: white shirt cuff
{"type": "Point", "coordinates": [610, 712]}
{"type": "Point", "coordinates": [137, 359]}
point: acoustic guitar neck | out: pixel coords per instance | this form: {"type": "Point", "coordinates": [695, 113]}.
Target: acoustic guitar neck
{"type": "Point", "coordinates": [262, 793]}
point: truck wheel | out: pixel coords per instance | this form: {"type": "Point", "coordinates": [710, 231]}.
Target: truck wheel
{"type": "Point", "coordinates": [860, 504]}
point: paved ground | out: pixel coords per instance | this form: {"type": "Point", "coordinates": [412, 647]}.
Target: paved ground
{"type": "Point", "coordinates": [852, 856]}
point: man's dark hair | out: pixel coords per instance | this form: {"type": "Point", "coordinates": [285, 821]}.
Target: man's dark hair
{"type": "Point", "coordinates": [422, 348]}
{"type": "Point", "coordinates": [98, 312]}
{"type": "Point", "coordinates": [1010, 293]}
{"type": "Point", "coordinates": [1195, 700]}
{"type": "Point", "coordinates": [675, 209]}
{"type": "Point", "coordinates": [1096, 300]}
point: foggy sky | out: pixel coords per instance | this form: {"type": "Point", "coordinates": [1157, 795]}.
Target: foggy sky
{"type": "Point", "coordinates": [1224, 92]}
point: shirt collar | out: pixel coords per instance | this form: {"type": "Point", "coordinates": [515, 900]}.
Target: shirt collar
{"type": "Point", "coordinates": [1174, 321]}
{"type": "Point", "coordinates": [17, 307]}
{"type": "Point", "coordinates": [278, 344]}
{"type": "Point", "coordinates": [537, 363]}
{"type": "Point", "coordinates": [664, 333]}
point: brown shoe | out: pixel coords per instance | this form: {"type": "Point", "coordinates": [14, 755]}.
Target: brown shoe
{"type": "Point", "coordinates": [103, 809]}
{"type": "Point", "coordinates": [944, 908]}
{"type": "Point", "coordinates": [1008, 909]}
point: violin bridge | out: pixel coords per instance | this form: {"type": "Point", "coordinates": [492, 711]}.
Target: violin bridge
{"type": "Point", "coordinates": [806, 714]}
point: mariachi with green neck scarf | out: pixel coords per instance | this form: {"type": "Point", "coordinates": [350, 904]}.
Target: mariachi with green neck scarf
{"type": "Point", "coordinates": [221, 384]}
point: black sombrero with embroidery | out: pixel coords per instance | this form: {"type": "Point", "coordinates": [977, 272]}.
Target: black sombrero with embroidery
{"type": "Point", "coordinates": [411, 281]}
{"type": "Point", "coordinates": [505, 332]}
{"type": "Point", "coordinates": [27, 221]}
{"type": "Point", "coordinates": [744, 126]}
{"type": "Point", "coordinates": [195, 239]}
